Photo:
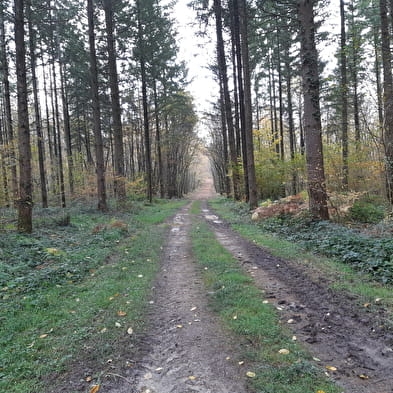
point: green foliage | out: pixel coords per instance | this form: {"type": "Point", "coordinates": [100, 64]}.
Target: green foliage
{"type": "Point", "coordinates": [240, 305]}
{"type": "Point", "coordinates": [62, 287]}
{"type": "Point", "coordinates": [366, 211]}
{"type": "Point", "coordinates": [364, 253]}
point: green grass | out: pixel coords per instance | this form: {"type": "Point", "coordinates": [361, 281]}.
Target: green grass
{"type": "Point", "coordinates": [60, 307]}
{"type": "Point", "coordinates": [256, 324]}
{"type": "Point", "coordinates": [342, 276]}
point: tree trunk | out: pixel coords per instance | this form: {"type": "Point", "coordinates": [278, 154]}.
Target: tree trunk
{"type": "Point", "coordinates": [312, 115]}
{"type": "Point", "coordinates": [252, 184]}
{"type": "Point", "coordinates": [388, 97]}
{"type": "Point", "coordinates": [119, 184]}
{"type": "Point", "coordinates": [145, 108]}
{"type": "Point", "coordinates": [99, 146]}
{"type": "Point", "coordinates": [7, 103]}
{"type": "Point", "coordinates": [344, 98]}
{"type": "Point", "coordinates": [158, 142]}
{"type": "Point", "coordinates": [227, 100]}
{"type": "Point", "coordinates": [25, 201]}
{"type": "Point", "coordinates": [37, 110]}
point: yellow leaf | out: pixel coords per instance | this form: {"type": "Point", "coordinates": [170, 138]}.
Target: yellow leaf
{"type": "Point", "coordinates": [366, 304]}
{"type": "Point", "coordinates": [250, 374]}
{"type": "Point", "coordinates": [179, 326]}
{"type": "Point", "coordinates": [283, 351]}
{"type": "Point", "coordinates": [121, 313]}
{"type": "Point", "coordinates": [95, 388]}
{"type": "Point", "coordinates": [331, 368]}
{"type": "Point", "coordinates": [43, 336]}
{"type": "Point", "coordinates": [362, 376]}
{"type": "Point", "coordinates": [192, 378]}
{"type": "Point", "coordinates": [321, 391]}
{"type": "Point", "coordinates": [53, 251]}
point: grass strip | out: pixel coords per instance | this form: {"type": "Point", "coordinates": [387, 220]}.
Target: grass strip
{"type": "Point", "coordinates": [274, 362]}
{"type": "Point", "coordinates": [81, 305]}
{"type": "Point", "coordinates": [342, 276]}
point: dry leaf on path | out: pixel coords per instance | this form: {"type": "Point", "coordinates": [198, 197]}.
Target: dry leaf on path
{"type": "Point", "coordinates": [283, 351]}
{"type": "Point", "coordinates": [250, 374]}
{"type": "Point", "coordinates": [121, 313]}
{"type": "Point", "coordinates": [95, 389]}
{"type": "Point", "coordinates": [130, 330]}
{"type": "Point", "coordinates": [331, 368]}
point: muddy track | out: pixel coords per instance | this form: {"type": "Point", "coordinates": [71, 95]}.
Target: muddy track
{"type": "Point", "coordinates": [186, 349]}
{"type": "Point", "coordinates": [332, 326]}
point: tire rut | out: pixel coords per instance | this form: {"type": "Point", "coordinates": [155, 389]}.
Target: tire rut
{"type": "Point", "coordinates": [333, 328]}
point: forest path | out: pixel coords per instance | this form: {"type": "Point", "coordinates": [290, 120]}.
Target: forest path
{"type": "Point", "coordinates": [186, 350]}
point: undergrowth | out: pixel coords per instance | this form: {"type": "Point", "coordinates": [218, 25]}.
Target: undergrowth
{"type": "Point", "coordinates": [74, 295]}
{"type": "Point", "coordinates": [273, 362]}
{"type": "Point", "coordinates": [368, 254]}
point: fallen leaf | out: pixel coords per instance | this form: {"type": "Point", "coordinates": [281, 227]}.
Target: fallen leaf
{"type": "Point", "coordinates": [241, 363]}
{"type": "Point", "coordinates": [103, 330]}
{"type": "Point", "coordinates": [88, 379]}
{"type": "Point", "coordinates": [179, 326]}
{"type": "Point", "coordinates": [43, 336]}
{"type": "Point", "coordinates": [331, 368]}
{"type": "Point", "coordinates": [95, 388]}
{"type": "Point", "coordinates": [193, 309]}
{"type": "Point", "coordinates": [228, 358]}
{"type": "Point", "coordinates": [250, 374]}
{"type": "Point", "coordinates": [316, 359]}
{"type": "Point", "coordinates": [235, 317]}
{"type": "Point", "coordinates": [159, 368]}
{"type": "Point", "coordinates": [140, 275]}
{"type": "Point", "coordinates": [111, 298]}
{"type": "Point", "coordinates": [148, 376]}
{"type": "Point", "coordinates": [366, 304]}
{"type": "Point", "coordinates": [53, 251]}
{"type": "Point", "coordinates": [378, 299]}
{"type": "Point", "coordinates": [283, 351]}
{"type": "Point", "coordinates": [321, 391]}
{"type": "Point", "coordinates": [291, 321]}
{"type": "Point", "coordinates": [265, 302]}
{"type": "Point", "coordinates": [130, 330]}
{"type": "Point", "coordinates": [362, 376]}
{"type": "Point", "coordinates": [192, 378]}
{"type": "Point", "coordinates": [117, 324]}
{"type": "Point", "coordinates": [294, 338]}
{"type": "Point", "coordinates": [121, 313]}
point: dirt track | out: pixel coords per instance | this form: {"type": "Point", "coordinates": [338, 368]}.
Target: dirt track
{"type": "Point", "coordinates": [186, 350]}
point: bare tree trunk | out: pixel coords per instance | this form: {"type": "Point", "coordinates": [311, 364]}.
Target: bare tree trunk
{"type": "Point", "coordinates": [7, 104]}
{"type": "Point", "coordinates": [37, 110]}
{"type": "Point", "coordinates": [252, 183]}
{"type": "Point", "coordinates": [227, 100]}
{"type": "Point", "coordinates": [312, 115]}
{"type": "Point", "coordinates": [25, 201]}
{"type": "Point", "coordinates": [99, 146]}
{"type": "Point", "coordinates": [344, 98]}
{"type": "Point", "coordinates": [158, 142]}
{"type": "Point", "coordinates": [119, 184]}
{"type": "Point", "coordinates": [388, 97]}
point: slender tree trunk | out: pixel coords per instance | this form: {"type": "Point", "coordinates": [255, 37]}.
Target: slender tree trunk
{"type": "Point", "coordinates": [240, 86]}
{"type": "Point", "coordinates": [291, 125]}
{"type": "Point", "coordinates": [227, 100]}
{"type": "Point", "coordinates": [387, 97]}
{"type": "Point", "coordinates": [119, 184]}
{"type": "Point", "coordinates": [252, 183]}
{"type": "Point", "coordinates": [67, 126]}
{"type": "Point", "coordinates": [158, 142]}
{"type": "Point", "coordinates": [7, 104]}
{"type": "Point", "coordinates": [227, 184]}
{"type": "Point", "coordinates": [377, 66]}
{"type": "Point", "coordinates": [312, 115]}
{"type": "Point", "coordinates": [37, 110]}
{"type": "Point", "coordinates": [3, 158]}
{"type": "Point", "coordinates": [145, 108]}
{"type": "Point", "coordinates": [99, 146]}
{"type": "Point", "coordinates": [25, 201]}
{"type": "Point", "coordinates": [280, 100]}
{"type": "Point", "coordinates": [344, 98]}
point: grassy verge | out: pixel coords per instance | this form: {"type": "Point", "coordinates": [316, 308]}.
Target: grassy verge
{"type": "Point", "coordinates": [343, 276]}
{"type": "Point", "coordinates": [73, 294]}
{"type": "Point", "coordinates": [274, 362]}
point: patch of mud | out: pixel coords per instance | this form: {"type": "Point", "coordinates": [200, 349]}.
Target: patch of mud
{"type": "Point", "coordinates": [334, 329]}
{"type": "Point", "coordinates": [186, 350]}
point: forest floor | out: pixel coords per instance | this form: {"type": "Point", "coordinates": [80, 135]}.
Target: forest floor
{"type": "Point", "coordinates": [221, 315]}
